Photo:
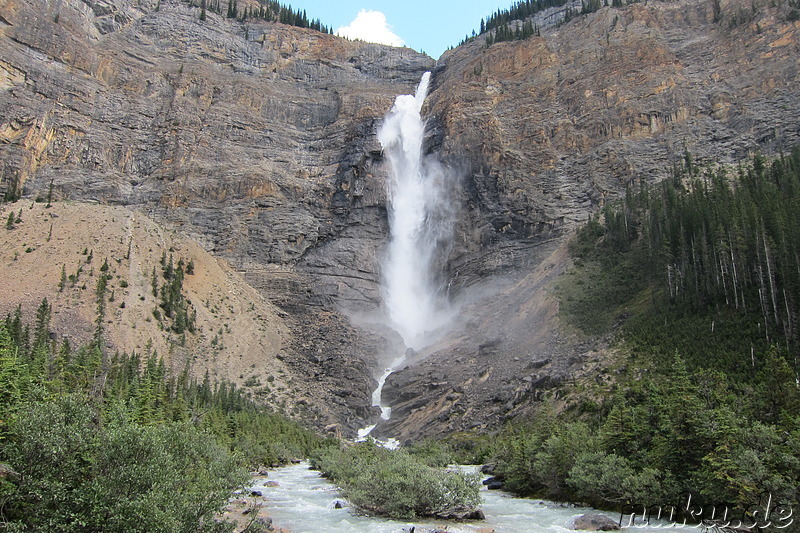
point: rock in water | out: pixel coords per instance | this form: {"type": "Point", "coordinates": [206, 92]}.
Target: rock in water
{"type": "Point", "coordinates": [594, 522]}
{"type": "Point", "coordinates": [495, 484]}
{"type": "Point", "coordinates": [462, 514]}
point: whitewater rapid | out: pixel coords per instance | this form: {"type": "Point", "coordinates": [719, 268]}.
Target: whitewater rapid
{"type": "Point", "coordinates": [302, 501]}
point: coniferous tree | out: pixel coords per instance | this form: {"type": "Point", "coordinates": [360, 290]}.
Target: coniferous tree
{"type": "Point", "coordinates": [100, 293]}
{"type": "Point", "coordinates": [41, 335]}
{"type": "Point", "coordinates": [63, 281]}
{"type": "Point", "coordinates": [49, 194]}
{"type": "Point", "coordinates": [154, 283]}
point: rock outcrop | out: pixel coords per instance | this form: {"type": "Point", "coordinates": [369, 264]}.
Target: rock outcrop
{"type": "Point", "coordinates": [257, 140]}
{"type": "Point", "coordinates": [550, 127]}
{"type": "Point", "coordinates": [547, 130]}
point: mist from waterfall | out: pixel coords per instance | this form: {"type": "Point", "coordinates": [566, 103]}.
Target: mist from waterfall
{"type": "Point", "coordinates": [420, 223]}
{"type": "Point", "coordinates": [421, 217]}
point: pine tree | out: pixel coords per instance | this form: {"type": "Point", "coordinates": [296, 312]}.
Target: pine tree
{"type": "Point", "coordinates": [15, 380]}
{"type": "Point", "coordinates": [63, 281]}
{"type": "Point", "coordinates": [100, 293]}
{"type": "Point", "coordinates": [41, 335]}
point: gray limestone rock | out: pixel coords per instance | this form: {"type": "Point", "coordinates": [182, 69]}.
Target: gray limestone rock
{"type": "Point", "coordinates": [259, 141]}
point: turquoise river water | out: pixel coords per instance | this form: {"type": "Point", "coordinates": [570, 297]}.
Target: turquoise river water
{"type": "Point", "coordinates": [303, 502]}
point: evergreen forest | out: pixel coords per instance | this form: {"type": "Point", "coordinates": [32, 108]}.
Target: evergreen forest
{"type": "Point", "coordinates": [267, 10]}
{"type": "Point", "coordinates": [91, 441]}
{"type": "Point", "coordinates": [516, 22]}
{"type": "Point", "coordinates": [696, 283]}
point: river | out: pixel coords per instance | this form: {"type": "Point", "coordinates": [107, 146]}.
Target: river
{"type": "Point", "coordinates": [303, 502]}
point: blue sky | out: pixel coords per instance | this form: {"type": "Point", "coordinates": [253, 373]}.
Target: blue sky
{"type": "Point", "coordinates": [429, 26]}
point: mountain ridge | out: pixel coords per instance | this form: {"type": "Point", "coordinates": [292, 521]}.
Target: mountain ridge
{"type": "Point", "coordinates": [258, 141]}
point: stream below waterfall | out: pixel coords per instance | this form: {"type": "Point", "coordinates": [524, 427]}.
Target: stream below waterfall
{"type": "Point", "coordinates": [377, 401]}
{"type": "Point", "coordinates": [303, 502]}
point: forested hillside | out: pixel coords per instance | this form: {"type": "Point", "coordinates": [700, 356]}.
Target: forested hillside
{"type": "Point", "coordinates": [697, 281]}
{"type": "Point", "coordinates": [91, 441]}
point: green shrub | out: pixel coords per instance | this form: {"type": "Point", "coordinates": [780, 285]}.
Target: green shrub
{"type": "Point", "coordinates": [536, 459]}
{"type": "Point", "coordinates": [432, 452]}
{"type": "Point", "coordinates": [393, 483]}
{"type": "Point", "coordinates": [77, 475]}
{"type": "Point", "coordinates": [602, 479]}
{"type": "Point", "coordinates": [173, 478]}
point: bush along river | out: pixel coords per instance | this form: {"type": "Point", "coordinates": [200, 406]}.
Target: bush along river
{"type": "Point", "coordinates": [300, 500]}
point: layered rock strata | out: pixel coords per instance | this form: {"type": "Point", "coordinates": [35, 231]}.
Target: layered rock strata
{"type": "Point", "coordinates": [257, 140]}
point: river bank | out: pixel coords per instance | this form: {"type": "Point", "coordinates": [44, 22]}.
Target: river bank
{"type": "Point", "coordinates": [302, 501]}
{"type": "Point", "coordinates": [250, 509]}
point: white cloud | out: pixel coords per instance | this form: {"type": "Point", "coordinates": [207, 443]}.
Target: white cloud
{"type": "Point", "coordinates": [371, 26]}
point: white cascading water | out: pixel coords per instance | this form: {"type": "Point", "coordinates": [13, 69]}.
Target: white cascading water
{"type": "Point", "coordinates": [420, 225]}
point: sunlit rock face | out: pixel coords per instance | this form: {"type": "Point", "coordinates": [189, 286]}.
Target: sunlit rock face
{"type": "Point", "coordinates": [260, 141]}
{"type": "Point", "coordinates": [547, 130]}
{"type": "Point", "coordinates": [553, 126]}
{"type": "Point", "coordinates": [256, 139]}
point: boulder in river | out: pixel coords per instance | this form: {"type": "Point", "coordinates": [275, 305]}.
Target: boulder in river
{"type": "Point", "coordinates": [461, 514]}
{"type": "Point", "coordinates": [495, 484]}
{"type": "Point", "coordinates": [594, 522]}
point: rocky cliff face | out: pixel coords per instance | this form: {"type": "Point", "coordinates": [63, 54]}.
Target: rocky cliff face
{"type": "Point", "coordinates": [254, 139]}
{"type": "Point", "coordinates": [547, 130]}
{"type": "Point", "coordinates": [553, 125]}
{"type": "Point", "coordinates": [258, 141]}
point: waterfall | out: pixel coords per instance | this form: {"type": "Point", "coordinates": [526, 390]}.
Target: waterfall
{"type": "Point", "coordinates": [420, 224]}
{"type": "Point", "coordinates": [421, 216]}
